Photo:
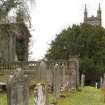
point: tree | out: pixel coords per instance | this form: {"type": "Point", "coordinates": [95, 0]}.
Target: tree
{"type": "Point", "coordinates": [85, 40]}
{"type": "Point", "coordinates": [19, 6]}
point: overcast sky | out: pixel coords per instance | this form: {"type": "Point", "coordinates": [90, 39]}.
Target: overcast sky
{"type": "Point", "coordinates": [49, 17]}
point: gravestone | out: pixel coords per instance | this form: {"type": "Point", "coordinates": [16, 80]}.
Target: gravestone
{"type": "Point", "coordinates": [101, 81]}
{"type": "Point", "coordinates": [82, 80]}
{"type": "Point", "coordinates": [72, 76]}
{"type": "Point", "coordinates": [18, 89]}
{"type": "Point", "coordinates": [43, 72]}
{"type": "Point", "coordinates": [40, 94]}
{"type": "Point", "coordinates": [56, 83]}
{"type": "Point", "coordinates": [63, 79]}
{"type": "Point", "coordinates": [72, 73]}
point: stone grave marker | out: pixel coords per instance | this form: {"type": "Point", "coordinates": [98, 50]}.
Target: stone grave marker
{"type": "Point", "coordinates": [18, 89]}
{"type": "Point", "coordinates": [56, 83]}
{"type": "Point", "coordinates": [82, 80]}
{"type": "Point", "coordinates": [101, 81]}
{"type": "Point", "coordinates": [40, 94]}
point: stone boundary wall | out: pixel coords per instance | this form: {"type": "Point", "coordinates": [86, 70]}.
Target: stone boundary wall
{"type": "Point", "coordinates": [67, 72]}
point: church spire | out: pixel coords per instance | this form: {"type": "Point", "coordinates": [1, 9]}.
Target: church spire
{"type": "Point", "coordinates": [85, 8]}
{"type": "Point", "coordinates": [99, 11]}
{"type": "Point", "coordinates": [99, 7]}
{"type": "Point", "coordinates": [85, 13]}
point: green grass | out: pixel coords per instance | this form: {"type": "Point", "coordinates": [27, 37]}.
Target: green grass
{"type": "Point", "coordinates": [88, 96]}
{"type": "Point", "coordinates": [3, 99]}
{"type": "Point", "coordinates": [31, 100]}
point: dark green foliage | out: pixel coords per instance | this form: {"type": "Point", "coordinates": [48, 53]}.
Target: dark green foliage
{"type": "Point", "coordinates": [6, 6]}
{"type": "Point", "coordinates": [86, 41]}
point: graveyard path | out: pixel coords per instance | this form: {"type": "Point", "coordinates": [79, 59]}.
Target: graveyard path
{"type": "Point", "coordinates": [88, 96]}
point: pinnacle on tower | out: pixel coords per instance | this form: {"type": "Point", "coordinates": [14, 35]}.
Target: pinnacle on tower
{"type": "Point", "coordinates": [99, 12]}
{"type": "Point", "coordinates": [99, 7]}
{"type": "Point", "coordinates": [85, 8]}
{"type": "Point", "coordinates": [85, 13]}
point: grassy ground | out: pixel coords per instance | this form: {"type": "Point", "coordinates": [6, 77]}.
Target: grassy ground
{"type": "Point", "coordinates": [3, 99]}
{"type": "Point", "coordinates": [88, 96]}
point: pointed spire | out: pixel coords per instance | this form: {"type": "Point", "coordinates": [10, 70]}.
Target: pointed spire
{"type": "Point", "coordinates": [99, 13]}
{"type": "Point", "coordinates": [85, 13]}
{"type": "Point", "coordinates": [85, 8]}
{"type": "Point", "coordinates": [99, 7]}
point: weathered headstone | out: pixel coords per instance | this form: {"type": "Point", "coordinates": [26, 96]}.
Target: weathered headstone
{"type": "Point", "coordinates": [40, 94]}
{"type": "Point", "coordinates": [63, 79]}
{"type": "Point", "coordinates": [104, 77]}
{"type": "Point", "coordinates": [101, 81]}
{"type": "Point", "coordinates": [82, 80]}
{"type": "Point", "coordinates": [18, 89]}
{"type": "Point", "coordinates": [72, 73]}
{"type": "Point", "coordinates": [56, 83]}
{"type": "Point", "coordinates": [43, 72]}
{"type": "Point", "coordinates": [96, 85]}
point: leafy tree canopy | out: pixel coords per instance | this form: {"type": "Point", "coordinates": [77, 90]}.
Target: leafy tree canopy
{"type": "Point", "coordinates": [19, 6]}
{"type": "Point", "coordinates": [85, 40]}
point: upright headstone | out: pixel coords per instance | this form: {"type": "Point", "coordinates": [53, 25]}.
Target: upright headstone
{"type": "Point", "coordinates": [40, 94]}
{"type": "Point", "coordinates": [82, 80]}
{"type": "Point", "coordinates": [101, 81]}
{"type": "Point", "coordinates": [56, 83]}
{"type": "Point", "coordinates": [43, 71]}
{"type": "Point", "coordinates": [103, 87]}
{"type": "Point", "coordinates": [73, 72]}
{"type": "Point", "coordinates": [18, 89]}
{"type": "Point", "coordinates": [63, 79]}
{"type": "Point", "coordinates": [104, 77]}
{"type": "Point", "coordinates": [96, 85]}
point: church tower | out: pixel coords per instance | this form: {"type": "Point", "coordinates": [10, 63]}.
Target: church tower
{"type": "Point", "coordinates": [93, 20]}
